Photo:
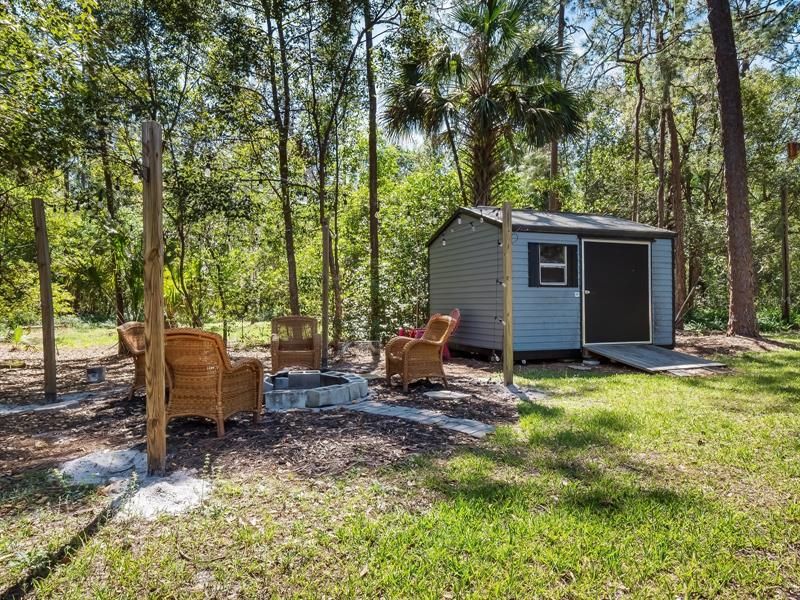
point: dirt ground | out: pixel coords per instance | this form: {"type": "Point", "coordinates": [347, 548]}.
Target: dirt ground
{"type": "Point", "coordinates": [304, 443]}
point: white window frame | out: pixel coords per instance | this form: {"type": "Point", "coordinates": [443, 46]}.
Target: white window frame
{"type": "Point", "coordinates": [552, 265]}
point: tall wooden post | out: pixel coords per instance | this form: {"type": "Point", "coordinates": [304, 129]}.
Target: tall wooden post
{"type": "Point", "coordinates": [326, 254]}
{"type": "Point", "coordinates": [46, 299]}
{"type": "Point", "coordinates": [508, 294]}
{"type": "Point", "coordinates": [154, 297]}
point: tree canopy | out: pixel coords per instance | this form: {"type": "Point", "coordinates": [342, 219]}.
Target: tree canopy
{"type": "Point", "coordinates": [266, 113]}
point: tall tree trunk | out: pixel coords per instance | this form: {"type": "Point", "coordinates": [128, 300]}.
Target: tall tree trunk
{"type": "Point", "coordinates": [111, 206]}
{"type": "Point", "coordinates": [637, 141]}
{"type": "Point", "coordinates": [454, 150]}
{"type": "Point", "coordinates": [676, 199]}
{"type": "Point", "coordinates": [335, 278]}
{"type": "Point", "coordinates": [281, 106]}
{"type": "Point", "coordinates": [785, 265]}
{"type": "Point", "coordinates": [661, 168]}
{"type": "Point", "coordinates": [741, 278]}
{"type": "Point", "coordinates": [375, 316]}
{"type": "Point", "coordinates": [553, 199]}
{"type": "Point", "coordinates": [484, 167]}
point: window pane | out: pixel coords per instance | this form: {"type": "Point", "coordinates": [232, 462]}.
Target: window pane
{"type": "Point", "coordinates": [549, 253]}
{"type": "Point", "coordinates": [553, 275]}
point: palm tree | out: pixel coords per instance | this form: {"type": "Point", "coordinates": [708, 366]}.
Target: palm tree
{"type": "Point", "coordinates": [487, 90]}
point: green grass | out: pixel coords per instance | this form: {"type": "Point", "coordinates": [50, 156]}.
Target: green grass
{"type": "Point", "coordinates": [39, 512]}
{"type": "Point", "coordinates": [618, 485]}
{"type": "Point", "coordinates": [85, 335]}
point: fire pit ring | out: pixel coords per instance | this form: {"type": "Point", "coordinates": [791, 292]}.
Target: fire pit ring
{"type": "Point", "coordinates": [312, 389]}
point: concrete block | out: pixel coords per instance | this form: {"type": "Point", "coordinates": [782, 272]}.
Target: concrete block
{"type": "Point", "coordinates": [285, 400]}
{"type": "Point", "coordinates": [339, 394]}
{"type": "Point", "coordinates": [314, 398]}
{"type": "Point", "coordinates": [303, 380]}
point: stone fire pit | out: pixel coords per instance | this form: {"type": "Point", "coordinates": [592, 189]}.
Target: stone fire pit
{"type": "Point", "coordinates": [312, 389]}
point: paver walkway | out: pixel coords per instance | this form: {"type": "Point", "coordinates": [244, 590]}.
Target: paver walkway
{"type": "Point", "coordinates": [425, 416]}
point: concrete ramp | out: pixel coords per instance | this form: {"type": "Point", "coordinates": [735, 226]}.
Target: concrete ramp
{"type": "Point", "coordinates": [652, 359]}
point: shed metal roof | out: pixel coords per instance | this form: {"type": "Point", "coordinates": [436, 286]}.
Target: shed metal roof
{"type": "Point", "coordinates": [562, 222]}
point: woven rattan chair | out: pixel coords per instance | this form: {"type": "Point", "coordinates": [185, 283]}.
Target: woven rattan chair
{"type": "Point", "coordinates": [202, 381]}
{"type": "Point", "coordinates": [132, 334]}
{"type": "Point", "coordinates": [295, 343]}
{"type": "Point", "coordinates": [417, 358]}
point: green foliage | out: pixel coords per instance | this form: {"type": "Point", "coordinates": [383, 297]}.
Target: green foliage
{"type": "Point", "coordinates": [484, 92]}
{"type": "Point", "coordinates": [76, 79]}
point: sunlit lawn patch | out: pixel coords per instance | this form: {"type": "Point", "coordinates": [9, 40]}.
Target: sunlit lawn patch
{"type": "Point", "coordinates": [622, 484]}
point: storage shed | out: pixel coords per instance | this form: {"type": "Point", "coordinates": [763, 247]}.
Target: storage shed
{"type": "Point", "coordinates": [578, 280]}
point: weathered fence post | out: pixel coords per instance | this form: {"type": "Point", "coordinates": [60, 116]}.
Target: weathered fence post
{"type": "Point", "coordinates": [154, 297]}
{"type": "Point", "coordinates": [508, 305]}
{"type": "Point", "coordinates": [46, 299]}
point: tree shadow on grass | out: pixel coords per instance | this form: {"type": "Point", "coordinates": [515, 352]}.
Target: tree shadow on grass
{"type": "Point", "coordinates": [771, 373]}
{"type": "Point", "coordinates": [582, 453]}
{"type": "Point", "coordinates": [29, 491]}
{"type": "Point", "coordinates": [563, 483]}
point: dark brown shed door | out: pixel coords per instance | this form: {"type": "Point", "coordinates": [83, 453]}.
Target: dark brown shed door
{"type": "Point", "coordinates": [616, 292]}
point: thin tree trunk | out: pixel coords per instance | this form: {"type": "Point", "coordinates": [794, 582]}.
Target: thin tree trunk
{"type": "Point", "coordinates": [451, 139]}
{"type": "Point", "coordinates": [374, 282]}
{"type": "Point", "coordinates": [281, 106]}
{"type": "Point", "coordinates": [553, 199]}
{"type": "Point", "coordinates": [335, 279]}
{"type": "Point", "coordinates": [660, 167]}
{"type": "Point", "coordinates": [741, 277]}
{"type": "Point", "coordinates": [637, 143]}
{"type": "Point", "coordinates": [676, 199]}
{"type": "Point", "coordinates": [111, 206]}
{"type": "Point", "coordinates": [785, 265]}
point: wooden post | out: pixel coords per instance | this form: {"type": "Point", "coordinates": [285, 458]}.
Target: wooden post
{"type": "Point", "coordinates": [326, 254]}
{"type": "Point", "coordinates": [508, 305]}
{"type": "Point", "coordinates": [154, 297]}
{"type": "Point", "coordinates": [46, 299]}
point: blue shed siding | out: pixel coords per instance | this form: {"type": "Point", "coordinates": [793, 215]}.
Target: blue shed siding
{"type": "Point", "coordinates": [464, 274]}
{"type": "Point", "coordinates": [545, 318]}
{"type": "Point", "coordinates": [661, 265]}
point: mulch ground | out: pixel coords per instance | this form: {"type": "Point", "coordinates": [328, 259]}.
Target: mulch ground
{"type": "Point", "coordinates": [304, 443]}
{"type": "Point", "coordinates": [301, 442]}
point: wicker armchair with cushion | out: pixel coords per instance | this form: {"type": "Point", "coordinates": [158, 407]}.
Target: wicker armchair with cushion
{"type": "Point", "coordinates": [202, 381]}
{"type": "Point", "coordinates": [132, 334]}
{"type": "Point", "coordinates": [295, 343]}
{"type": "Point", "coordinates": [417, 358]}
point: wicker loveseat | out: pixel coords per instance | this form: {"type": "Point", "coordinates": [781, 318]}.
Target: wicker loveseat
{"type": "Point", "coordinates": [132, 334]}
{"type": "Point", "coordinates": [202, 381]}
{"type": "Point", "coordinates": [295, 343]}
{"type": "Point", "coordinates": [417, 358]}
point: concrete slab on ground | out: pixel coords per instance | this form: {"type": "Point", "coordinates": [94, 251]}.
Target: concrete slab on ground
{"type": "Point", "coordinates": [423, 416]}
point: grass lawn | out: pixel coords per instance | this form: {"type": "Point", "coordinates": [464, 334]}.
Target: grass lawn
{"type": "Point", "coordinates": [85, 335]}
{"type": "Point", "coordinates": [615, 485]}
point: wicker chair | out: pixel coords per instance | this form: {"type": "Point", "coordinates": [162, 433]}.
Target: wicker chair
{"type": "Point", "coordinates": [417, 358]}
{"type": "Point", "coordinates": [295, 343]}
{"type": "Point", "coordinates": [202, 381]}
{"type": "Point", "coordinates": [132, 334]}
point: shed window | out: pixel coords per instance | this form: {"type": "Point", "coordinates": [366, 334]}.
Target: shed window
{"type": "Point", "coordinates": [552, 264]}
